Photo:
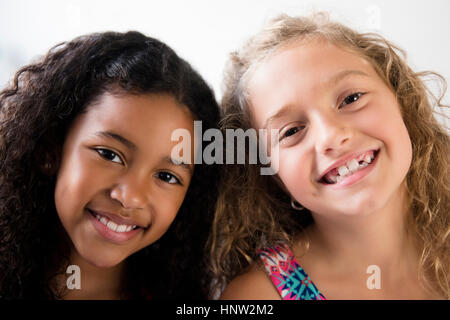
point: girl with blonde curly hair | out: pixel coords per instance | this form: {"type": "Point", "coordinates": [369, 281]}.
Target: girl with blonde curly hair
{"type": "Point", "coordinates": [359, 207]}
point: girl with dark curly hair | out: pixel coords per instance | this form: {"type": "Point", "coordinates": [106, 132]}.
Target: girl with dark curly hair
{"type": "Point", "coordinates": [88, 182]}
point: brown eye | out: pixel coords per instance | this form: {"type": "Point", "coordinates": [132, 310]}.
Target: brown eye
{"type": "Point", "coordinates": [291, 132]}
{"type": "Point", "coordinates": [168, 177]}
{"type": "Point", "coordinates": [109, 155]}
{"type": "Point", "coordinates": [350, 99]}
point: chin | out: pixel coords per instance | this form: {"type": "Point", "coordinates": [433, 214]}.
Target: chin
{"type": "Point", "coordinates": [102, 260]}
{"type": "Point", "coordinates": [356, 213]}
{"type": "Point", "coordinates": [361, 208]}
{"type": "Point", "coordinates": [356, 208]}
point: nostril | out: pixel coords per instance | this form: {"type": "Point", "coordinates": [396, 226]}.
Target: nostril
{"type": "Point", "coordinates": [344, 140]}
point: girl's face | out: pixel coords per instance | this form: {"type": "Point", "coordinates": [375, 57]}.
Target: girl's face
{"type": "Point", "coordinates": [117, 190]}
{"type": "Point", "coordinates": [343, 147]}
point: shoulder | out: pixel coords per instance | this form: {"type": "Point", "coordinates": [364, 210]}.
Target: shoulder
{"type": "Point", "coordinates": [254, 284]}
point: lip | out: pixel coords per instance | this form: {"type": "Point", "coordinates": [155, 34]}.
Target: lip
{"type": "Point", "coordinates": [344, 160]}
{"type": "Point", "coordinates": [115, 218]}
{"type": "Point", "coordinates": [108, 234]}
{"type": "Point", "coordinates": [355, 177]}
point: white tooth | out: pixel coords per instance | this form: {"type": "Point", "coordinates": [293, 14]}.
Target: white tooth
{"type": "Point", "coordinates": [353, 165]}
{"type": "Point", "coordinates": [121, 228]}
{"type": "Point", "coordinates": [333, 178]}
{"type": "Point", "coordinates": [129, 228]}
{"type": "Point", "coordinates": [98, 217]}
{"type": "Point", "coordinates": [363, 165]}
{"type": "Point", "coordinates": [112, 225]}
{"type": "Point", "coordinates": [367, 159]}
{"type": "Point", "coordinates": [104, 221]}
{"type": "Point", "coordinates": [343, 170]}
{"type": "Point", "coordinates": [339, 178]}
{"type": "Point", "coordinates": [134, 227]}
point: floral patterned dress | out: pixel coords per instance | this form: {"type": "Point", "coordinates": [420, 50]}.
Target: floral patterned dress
{"type": "Point", "coordinates": [289, 278]}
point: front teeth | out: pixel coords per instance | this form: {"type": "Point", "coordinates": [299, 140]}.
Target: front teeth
{"type": "Point", "coordinates": [114, 226]}
{"type": "Point", "coordinates": [350, 167]}
{"type": "Point", "coordinates": [343, 170]}
{"type": "Point", "coordinates": [353, 165]}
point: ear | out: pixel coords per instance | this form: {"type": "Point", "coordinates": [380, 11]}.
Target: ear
{"type": "Point", "coordinates": [280, 184]}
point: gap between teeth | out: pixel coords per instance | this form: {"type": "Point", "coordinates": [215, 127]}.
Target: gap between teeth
{"type": "Point", "coordinates": [114, 226]}
{"type": "Point", "coordinates": [350, 167]}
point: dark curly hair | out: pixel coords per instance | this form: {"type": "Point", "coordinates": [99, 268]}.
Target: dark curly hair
{"type": "Point", "coordinates": [37, 109]}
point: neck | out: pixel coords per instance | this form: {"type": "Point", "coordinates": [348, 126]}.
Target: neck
{"type": "Point", "coordinates": [379, 238]}
{"type": "Point", "coordinates": [96, 283]}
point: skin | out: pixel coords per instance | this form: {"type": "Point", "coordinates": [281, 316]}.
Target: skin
{"type": "Point", "coordinates": [133, 181]}
{"type": "Point", "coordinates": [323, 113]}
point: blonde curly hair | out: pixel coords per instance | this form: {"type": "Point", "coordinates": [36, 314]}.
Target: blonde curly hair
{"type": "Point", "coordinates": [252, 210]}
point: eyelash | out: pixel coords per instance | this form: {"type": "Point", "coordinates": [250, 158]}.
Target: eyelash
{"type": "Point", "coordinates": [160, 175]}
{"type": "Point", "coordinates": [356, 94]}
{"type": "Point", "coordinates": [172, 176]}
{"type": "Point", "coordinates": [102, 151]}
{"type": "Point", "coordinates": [287, 136]}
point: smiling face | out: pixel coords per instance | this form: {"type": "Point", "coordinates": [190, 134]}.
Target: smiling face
{"type": "Point", "coordinates": [334, 114]}
{"type": "Point", "coordinates": [117, 190]}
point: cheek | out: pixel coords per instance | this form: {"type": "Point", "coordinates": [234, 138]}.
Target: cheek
{"type": "Point", "coordinates": [168, 213]}
{"type": "Point", "coordinates": [400, 147]}
{"type": "Point", "coordinates": [294, 172]}
{"type": "Point", "coordinates": [165, 212]}
{"type": "Point", "coordinates": [76, 184]}
{"type": "Point", "coordinates": [67, 188]}
{"type": "Point", "coordinates": [388, 126]}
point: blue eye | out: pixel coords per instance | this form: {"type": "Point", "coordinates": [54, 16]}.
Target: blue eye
{"type": "Point", "coordinates": [351, 98]}
{"type": "Point", "coordinates": [109, 155]}
{"type": "Point", "coordinates": [168, 177]}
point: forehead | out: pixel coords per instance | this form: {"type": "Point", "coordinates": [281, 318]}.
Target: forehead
{"type": "Point", "coordinates": [298, 70]}
{"type": "Point", "coordinates": [315, 61]}
{"type": "Point", "coordinates": [140, 108]}
{"type": "Point", "coordinates": [145, 120]}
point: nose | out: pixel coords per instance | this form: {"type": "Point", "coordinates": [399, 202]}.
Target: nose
{"type": "Point", "coordinates": [132, 191]}
{"type": "Point", "coordinates": [331, 133]}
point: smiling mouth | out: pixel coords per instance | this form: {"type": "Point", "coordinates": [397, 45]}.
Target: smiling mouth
{"type": "Point", "coordinates": [336, 175]}
{"type": "Point", "coordinates": [111, 225]}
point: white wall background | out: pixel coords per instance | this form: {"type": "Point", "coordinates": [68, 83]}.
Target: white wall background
{"type": "Point", "coordinates": [204, 32]}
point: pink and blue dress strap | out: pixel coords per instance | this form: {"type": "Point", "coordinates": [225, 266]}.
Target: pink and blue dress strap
{"type": "Point", "coordinates": [289, 278]}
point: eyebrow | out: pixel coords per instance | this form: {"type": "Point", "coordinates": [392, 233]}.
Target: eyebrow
{"type": "Point", "coordinates": [344, 74]}
{"type": "Point", "coordinates": [330, 82]}
{"type": "Point", "coordinates": [182, 165]}
{"type": "Point", "coordinates": [112, 135]}
{"type": "Point", "coordinates": [281, 112]}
